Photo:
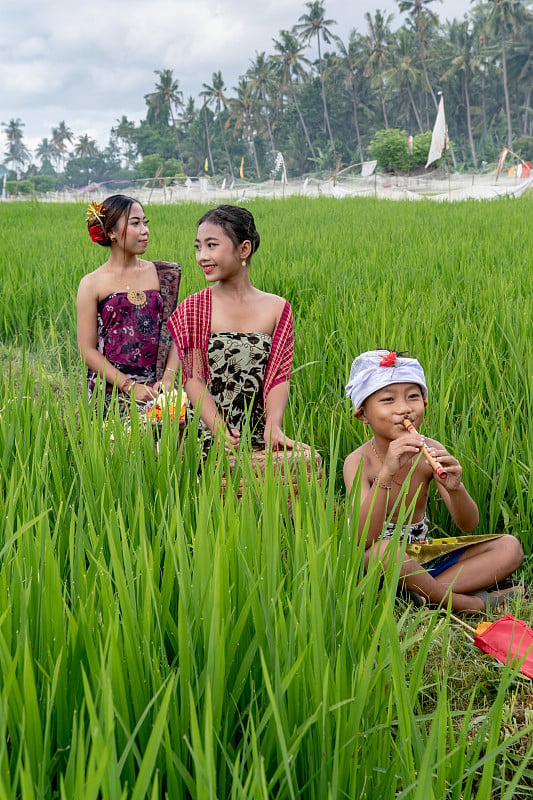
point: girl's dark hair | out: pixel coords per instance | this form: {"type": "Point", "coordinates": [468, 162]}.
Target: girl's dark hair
{"type": "Point", "coordinates": [237, 222]}
{"type": "Point", "coordinates": [113, 208]}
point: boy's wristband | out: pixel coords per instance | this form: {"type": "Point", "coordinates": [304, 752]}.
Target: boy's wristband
{"type": "Point", "coordinates": [379, 485]}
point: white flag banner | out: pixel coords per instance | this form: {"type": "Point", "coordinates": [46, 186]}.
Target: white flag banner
{"type": "Point", "coordinates": [367, 168]}
{"type": "Point", "coordinates": [439, 137]}
{"type": "Point", "coordinates": [279, 163]}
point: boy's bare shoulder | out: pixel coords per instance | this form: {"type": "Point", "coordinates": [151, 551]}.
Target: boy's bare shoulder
{"type": "Point", "coordinates": [352, 460]}
{"type": "Point", "coordinates": [356, 454]}
{"type": "Point", "coordinates": [351, 466]}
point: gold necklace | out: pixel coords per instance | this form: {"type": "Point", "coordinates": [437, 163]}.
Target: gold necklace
{"type": "Point", "coordinates": [380, 458]}
{"type": "Point", "coordinates": [137, 297]}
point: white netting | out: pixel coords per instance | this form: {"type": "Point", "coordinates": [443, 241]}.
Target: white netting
{"type": "Point", "coordinates": [204, 190]}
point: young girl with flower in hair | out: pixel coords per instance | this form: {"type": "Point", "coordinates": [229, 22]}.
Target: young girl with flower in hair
{"type": "Point", "coordinates": [235, 342]}
{"type": "Point", "coordinates": [124, 304]}
{"type": "Point", "coordinates": [396, 467]}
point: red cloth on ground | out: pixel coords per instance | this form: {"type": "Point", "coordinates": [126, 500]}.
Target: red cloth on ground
{"type": "Point", "coordinates": [508, 639]}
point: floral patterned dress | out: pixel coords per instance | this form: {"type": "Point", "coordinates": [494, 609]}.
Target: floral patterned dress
{"type": "Point", "coordinates": [237, 365]}
{"type": "Point", "coordinates": [128, 336]}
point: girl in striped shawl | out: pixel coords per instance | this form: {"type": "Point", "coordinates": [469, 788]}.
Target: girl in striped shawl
{"type": "Point", "coordinates": [235, 342]}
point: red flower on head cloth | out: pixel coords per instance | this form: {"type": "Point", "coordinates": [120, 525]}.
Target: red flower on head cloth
{"type": "Point", "coordinates": [367, 374]}
{"type": "Point", "coordinates": [389, 360]}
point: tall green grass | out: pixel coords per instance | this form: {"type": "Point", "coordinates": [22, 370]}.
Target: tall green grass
{"type": "Point", "coordinates": [160, 640]}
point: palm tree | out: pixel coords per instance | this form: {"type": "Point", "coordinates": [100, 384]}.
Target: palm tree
{"type": "Point", "coordinates": [124, 131]}
{"type": "Point", "coordinates": [313, 26]}
{"type": "Point", "coordinates": [164, 100]}
{"type": "Point", "coordinates": [463, 42]}
{"type": "Point", "coordinates": [289, 57]}
{"type": "Point", "coordinates": [422, 19]}
{"type": "Point", "coordinates": [17, 154]}
{"type": "Point", "coordinates": [188, 114]}
{"type": "Point", "coordinates": [504, 19]}
{"type": "Point", "coordinates": [520, 67]}
{"type": "Point", "coordinates": [377, 43]}
{"type": "Point", "coordinates": [215, 94]}
{"type": "Point", "coordinates": [85, 147]}
{"type": "Point", "coordinates": [262, 78]}
{"type": "Point", "coordinates": [45, 150]}
{"type": "Point", "coordinates": [242, 113]}
{"type": "Point", "coordinates": [402, 75]}
{"type": "Point", "coordinates": [526, 72]}
{"type": "Point", "coordinates": [208, 138]}
{"type": "Point", "coordinates": [352, 57]}
{"type": "Point", "coordinates": [60, 137]}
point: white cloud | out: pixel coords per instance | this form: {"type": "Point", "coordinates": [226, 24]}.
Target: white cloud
{"type": "Point", "coordinates": [91, 64]}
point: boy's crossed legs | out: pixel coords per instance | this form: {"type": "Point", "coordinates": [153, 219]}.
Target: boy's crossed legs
{"type": "Point", "coordinates": [478, 567]}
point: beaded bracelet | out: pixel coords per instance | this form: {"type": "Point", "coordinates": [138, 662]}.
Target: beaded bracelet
{"type": "Point", "coordinates": [128, 385]}
{"type": "Point", "coordinates": [379, 485]}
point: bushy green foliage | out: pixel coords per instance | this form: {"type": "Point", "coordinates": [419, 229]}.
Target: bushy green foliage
{"type": "Point", "coordinates": [44, 183]}
{"type": "Point", "coordinates": [419, 154]}
{"type": "Point", "coordinates": [36, 184]}
{"type": "Point", "coordinates": [391, 149]}
{"type": "Point", "coordinates": [173, 168]}
{"type": "Point", "coordinates": [24, 186]}
{"type": "Point", "coordinates": [150, 165]}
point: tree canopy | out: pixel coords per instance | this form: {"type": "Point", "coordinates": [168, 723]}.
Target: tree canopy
{"type": "Point", "coordinates": [325, 113]}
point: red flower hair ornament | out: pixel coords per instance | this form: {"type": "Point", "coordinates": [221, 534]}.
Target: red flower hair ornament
{"type": "Point", "coordinates": [389, 360]}
{"type": "Point", "coordinates": [96, 233]}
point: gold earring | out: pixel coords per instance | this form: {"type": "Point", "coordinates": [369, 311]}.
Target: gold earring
{"type": "Point", "coordinates": [243, 262]}
{"type": "Point", "coordinates": [113, 238]}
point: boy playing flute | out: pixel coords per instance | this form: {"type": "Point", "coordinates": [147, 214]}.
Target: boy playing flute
{"type": "Point", "coordinates": [389, 394]}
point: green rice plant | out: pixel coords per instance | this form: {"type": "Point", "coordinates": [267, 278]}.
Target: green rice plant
{"type": "Point", "coordinates": [161, 637]}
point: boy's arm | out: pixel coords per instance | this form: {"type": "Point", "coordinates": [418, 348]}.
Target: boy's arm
{"type": "Point", "coordinates": [377, 480]}
{"type": "Point", "coordinates": [461, 506]}
{"type": "Point", "coordinates": [377, 508]}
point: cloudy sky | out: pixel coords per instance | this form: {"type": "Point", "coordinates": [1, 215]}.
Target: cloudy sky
{"type": "Point", "coordinates": [89, 63]}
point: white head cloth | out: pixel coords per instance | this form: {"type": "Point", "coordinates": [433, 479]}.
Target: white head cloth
{"type": "Point", "coordinates": [376, 369]}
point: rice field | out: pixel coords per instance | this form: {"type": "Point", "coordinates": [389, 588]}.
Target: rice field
{"type": "Point", "coordinates": [158, 640]}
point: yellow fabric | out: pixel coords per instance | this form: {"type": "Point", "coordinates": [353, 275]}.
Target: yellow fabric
{"type": "Point", "coordinates": [422, 552]}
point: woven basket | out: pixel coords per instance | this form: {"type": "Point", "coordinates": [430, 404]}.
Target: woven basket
{"type": "Point", "coordinates": [286, 465]}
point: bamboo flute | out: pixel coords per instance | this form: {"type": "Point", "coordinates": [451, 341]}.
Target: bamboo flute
{"type": "Point", "coordinates": [433, 463]}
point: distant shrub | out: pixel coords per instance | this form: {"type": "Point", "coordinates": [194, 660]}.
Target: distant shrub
{"type": "Point", "coordinates": [391, 150]}
{"type": "Point", "coordinates": [44, 183]}
{"type": "Point", "coordinates": [150, 165]}
{"type": "Point", "coordinates": [20, 187]}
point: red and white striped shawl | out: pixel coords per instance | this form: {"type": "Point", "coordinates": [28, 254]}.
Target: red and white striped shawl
{"type": "Point", "coordinates": [190, 326]}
